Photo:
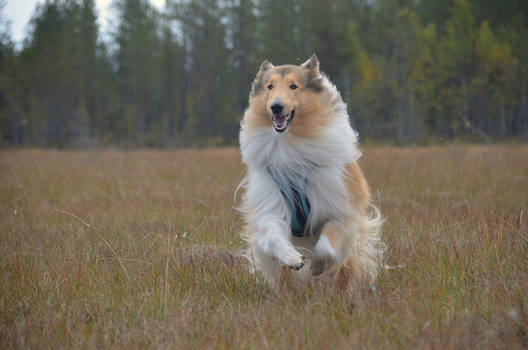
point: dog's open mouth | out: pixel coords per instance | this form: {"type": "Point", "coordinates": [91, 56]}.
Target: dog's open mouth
{"type": "Point", "coordinates": [281, 122]}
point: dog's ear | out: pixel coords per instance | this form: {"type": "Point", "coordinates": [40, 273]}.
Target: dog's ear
{"type": "Point", "coordinates": [312, 64]}
{"type": "Point", "coordinates": [266, 65]}
{"type": "Point", "coordinates": [257, 84]}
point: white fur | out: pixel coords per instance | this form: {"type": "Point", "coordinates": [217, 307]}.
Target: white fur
{"type": "Point", "coordinates": [324, 248]}
{"type": "Point", "coordinates": [323, 161]}
{"type": "Point", "coordinates": [324, 255]}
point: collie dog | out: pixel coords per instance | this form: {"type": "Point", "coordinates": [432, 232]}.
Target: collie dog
{"type": "Point", "coordinates": [306, 200]}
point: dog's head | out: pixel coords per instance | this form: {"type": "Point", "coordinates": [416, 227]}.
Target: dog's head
{"type": "Point", "coordinates": [289, 97]}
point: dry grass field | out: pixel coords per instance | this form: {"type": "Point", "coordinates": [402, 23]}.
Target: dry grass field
{"type": "Point", "coordinates": [116, 249]}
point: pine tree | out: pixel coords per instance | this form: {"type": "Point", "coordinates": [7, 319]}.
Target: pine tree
{"type": "Point", "coordinates": [137, 58]}
{"type": "Point", "coordinates": [243, 38]}
{"type": "Point", "coordinates": [9, 125]}
{"type": "Point", "coordinates": [209, 98]}
{"type": "Point", "coordinates": [498, 69]}
{"type": "Point", "coordinates": [173, 81]}
{"type": "Point", "coordinates": [408, 69]}
{"type": "Point", "coordinates": [280, 31]}
{"type": "Point", "coordinates": [457, 59]}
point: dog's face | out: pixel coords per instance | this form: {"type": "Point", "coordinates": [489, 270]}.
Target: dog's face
{"type": "Point", "coordinates": [288, 97]}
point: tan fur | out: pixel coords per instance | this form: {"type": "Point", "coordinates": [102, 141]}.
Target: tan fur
{"type": "Point", "coordinates": [357, 268]}
{"type": "Point", "coordinates": [331, 232]}
{"type": "Point", "coordinates": [311, 108]}
{"type": "Point", "coordinates": [357, 187]}
{"type": "Point", "coordinates": [353, 271]}
{"type": "Point", "coordinates": [312, 118]}
{"type": "Point", "coordinates": [359, 195]}
{"type": "Point", "coordinates": [257, 115]}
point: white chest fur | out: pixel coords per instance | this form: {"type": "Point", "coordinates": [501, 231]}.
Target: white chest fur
{"type": "Point", "coordinates": [319, 163]}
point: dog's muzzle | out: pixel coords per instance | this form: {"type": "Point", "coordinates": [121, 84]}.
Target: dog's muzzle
{"type": "Point", "coordinates": [282, 121]}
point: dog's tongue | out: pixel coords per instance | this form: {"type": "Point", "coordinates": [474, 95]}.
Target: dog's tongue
{"type": "Point", "coordinates": [280, 120]}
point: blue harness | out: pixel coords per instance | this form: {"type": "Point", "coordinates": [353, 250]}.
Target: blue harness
{"type": "Point", "coordinates": [297, 202]}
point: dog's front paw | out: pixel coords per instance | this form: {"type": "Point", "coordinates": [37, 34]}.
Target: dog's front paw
{"type": "Point", "coordinates": [290, 257]}
{"type": "Point", "coordinates": [298, 265]}
{"type": "Point", "coordinates": [279, 249]}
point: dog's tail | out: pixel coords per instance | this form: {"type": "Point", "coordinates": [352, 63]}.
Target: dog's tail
{"type": "Point", "coordinates": [374, 222]}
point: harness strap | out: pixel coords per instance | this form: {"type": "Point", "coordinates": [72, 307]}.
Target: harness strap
{"type": "Point", "coordinates": [298, 204]}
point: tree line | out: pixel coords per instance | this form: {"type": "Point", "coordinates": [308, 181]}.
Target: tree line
{"type": "Point", "coordinates": [409, 70]}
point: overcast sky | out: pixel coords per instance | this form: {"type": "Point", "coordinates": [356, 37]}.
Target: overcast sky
{"type": "Point", "coordinates": [19, 13]}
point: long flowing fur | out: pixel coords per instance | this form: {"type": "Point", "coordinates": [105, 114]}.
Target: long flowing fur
{"type": "Point", "coordinates": [323, 160]}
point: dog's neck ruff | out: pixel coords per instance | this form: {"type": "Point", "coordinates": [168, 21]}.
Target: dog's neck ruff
{"type": "Point", "coordinates": [298, 203]}
{"type": "Point", "coordinates": [293, 159]}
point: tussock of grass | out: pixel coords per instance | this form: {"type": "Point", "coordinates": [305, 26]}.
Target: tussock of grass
{"type": "Point", "coordinates": [155, 263]}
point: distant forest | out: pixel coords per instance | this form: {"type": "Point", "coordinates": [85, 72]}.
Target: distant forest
{"type": "Point", "coordinates": [409, 70]}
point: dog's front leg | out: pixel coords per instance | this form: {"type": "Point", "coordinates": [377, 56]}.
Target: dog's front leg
{"type": "Point", "coordinates": [272, 242]}
{"type": "Point", "coordinates": [325, 252]}
{"type": "Point", "coordinates": [272, 239]}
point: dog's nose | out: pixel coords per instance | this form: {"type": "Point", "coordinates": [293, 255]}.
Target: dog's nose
{"type": "Point", "coordinates": [277, 107]}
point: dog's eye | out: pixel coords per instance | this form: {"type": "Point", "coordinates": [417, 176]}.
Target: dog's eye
{"type": "Point", "coordinates": [293, 86]}
{"type": "Point", "coordinates": [270, 86]}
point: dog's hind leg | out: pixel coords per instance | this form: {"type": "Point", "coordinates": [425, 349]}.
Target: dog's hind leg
{"type": "Point", "coordinates": [354, 247]}
{"type": "Point", "coordinates": [365, 255]}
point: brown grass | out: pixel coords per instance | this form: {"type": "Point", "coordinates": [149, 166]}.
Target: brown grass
{"type": "Point", "coordinates": [456, 234]}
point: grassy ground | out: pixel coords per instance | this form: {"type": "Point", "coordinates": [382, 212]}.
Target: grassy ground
{"type": "Point", "coordinates": [136, 249]}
